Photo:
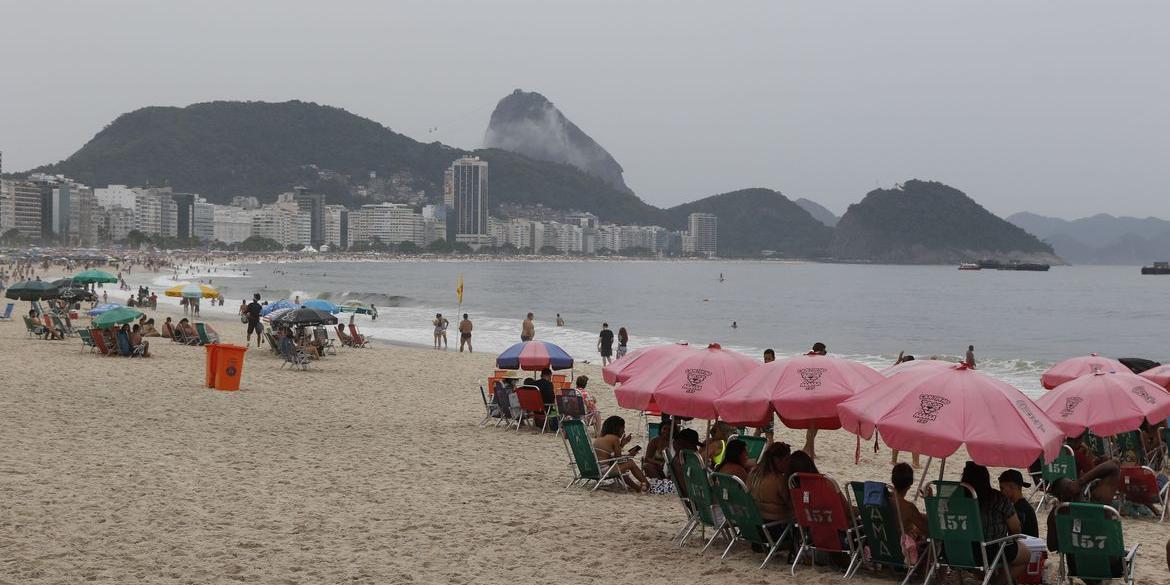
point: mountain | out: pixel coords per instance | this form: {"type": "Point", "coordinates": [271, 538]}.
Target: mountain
{"type": "Point", "coordinates": [818, 211]}
{"type": "Point", "coordinates": [223, 149]}
{"type": "Point", "coordinates": [925, 222]}
{"type": "Point", "coordinates": [527, 123]}
{"type": "Point", "coordinates": [1102, 238]}
{"type": "Point", "coordinates": [751, 220]}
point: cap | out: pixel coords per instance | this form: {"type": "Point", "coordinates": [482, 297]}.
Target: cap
{"type": "Point", "coordinates": [1014, 476]}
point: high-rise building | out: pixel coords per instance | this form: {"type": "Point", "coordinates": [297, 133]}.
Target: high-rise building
{"type": "Point", "coordinates": [202, 220]}
{"type": "Point", "coordinates": [148, 212]}
{"type": "Point", "coordinates": [179, 209]}
{"type": "Point", "coordinates": [82, 211]}
{"type": "Point", "coordinates": [116, 196]}
{"type": "Point", "coordinates": [314, 205]}
{"type": "Point", "coordinates": [389, 223]}
{"type": "Point", "coordinates": [231, 224]}
{"type": "Point", "coordinates": [119, 221]}
{"type": "Point", "coordinates": [702, 227]}
{"type": "Point", "coordinates": [469, 193]}
{"type": "Point", "coordinates": [26, 208]}
{"type": "Point", "coordinates": [337, 227]}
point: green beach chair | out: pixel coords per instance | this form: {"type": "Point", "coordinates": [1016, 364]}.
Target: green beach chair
{"type": "Point", "coordinates": [699, 491]}
{"type": "Point", "coordinates": [744, 518]}
{"type": "Point", "coordinates": [1129, 448]}
{"type": "Point", "coordinates": [675, 472]}
{"type": "Point", "coordinates": [87, 340]}
{"type": "Point", "coordinates": [205, 338]}
{"type": "Point", "coordinates": [755, 446]}
{"type": "Point", "coordinates": [1098, 446]}
{"type": "Point", "coordinates": [1091, 543]}
{"type": "Point", "coordinates": [881, 525]}
{"type": "Point", "coordinates": [583, 461]}
{"type": "Point", "coordinates": [1063, 467]}
{"type": "Point", "coordinates": [956, 533]}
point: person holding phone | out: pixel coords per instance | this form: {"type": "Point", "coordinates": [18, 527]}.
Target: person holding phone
{"type": "Point", "coordinates": [610, 445]}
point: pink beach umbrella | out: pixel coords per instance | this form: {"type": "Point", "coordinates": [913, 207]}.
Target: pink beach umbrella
{"type": "Point", "coordinates": [623, 369]}
{"type": "Point", "coordinates": [1106, 403]}
{"type": "Point", "coordinates": [688, 384]}
{"type": "Point", "coordinates": [1074, 368]}
{"type": "Point", "coordinates": [914, 365]}
{"type": "Point", "coordinates": [804, 390]}
{"type": "Point", "coordinates": [1159, 375]}
{"type": "Point", "coordinates": [934, 411]}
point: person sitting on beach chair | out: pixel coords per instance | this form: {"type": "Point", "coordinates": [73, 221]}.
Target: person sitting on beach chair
{"type": "Point", "coordinates": [168, 329]}
{"type": "Point", "coordinates": [186, 333]}
{"type": "Point", "coordinates": [610, 446]}
{"type": "Point", "coordinates": [343, 336]}
{"type": "Point", "coordinates": [138, 344]}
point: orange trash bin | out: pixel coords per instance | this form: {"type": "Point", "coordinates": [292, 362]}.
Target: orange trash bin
{"type": "Point", "coordinates": [212, 358]}
{"type": "Point", "coordinates": [229, 366]}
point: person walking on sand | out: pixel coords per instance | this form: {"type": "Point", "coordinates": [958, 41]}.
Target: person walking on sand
{"type": "Point", "coordinates": [623, 342]}
{"type": "Point", "coordinates": [253, 315]}
{"type": "Point", "coordinates": [437, 322]}
{"type": "Point", "coordinates": [605, 344]}
{"type": "Point", "coordinates": [527, 329]}
{"type": "Point", "coordinates": [970, 359]}
{"type": "Point", "coordinates": [465, 334]}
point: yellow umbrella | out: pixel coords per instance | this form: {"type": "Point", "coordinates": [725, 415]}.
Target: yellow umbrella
{"type": "Point", "coordinates": [192, 291]}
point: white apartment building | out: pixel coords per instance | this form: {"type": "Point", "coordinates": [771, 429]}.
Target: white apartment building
{"type": "Point", "coordinates": [390, 223]}
{"type": "Point", "coordinates": [702, 227]}
{"type": "Point", "coordinates": [116, 196]}
{"type": "Point", "coordinates": [203, 220]}
{"type": "Point", "coordinates": [230, 224]}
{"type": "Point", "coordinates": [337, 227]}
{"type": "Point", "coordinates": [118, 221]}
{"type": "Point", "coordinates": [285, 226]}
{"type": "Point", "coordinates": [148, 212]}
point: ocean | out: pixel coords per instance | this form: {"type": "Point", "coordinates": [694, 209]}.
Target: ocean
{"type": "Point", "coordinates": [1019, 322]}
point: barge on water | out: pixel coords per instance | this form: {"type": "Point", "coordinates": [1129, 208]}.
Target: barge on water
{"type": "Point", "coordinates": [1157, 268]}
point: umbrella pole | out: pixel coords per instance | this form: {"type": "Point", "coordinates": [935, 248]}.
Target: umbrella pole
{"type": "Point", "coordinates": [922, 480]}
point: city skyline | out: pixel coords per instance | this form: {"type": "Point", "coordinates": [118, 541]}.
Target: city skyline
{"type": "Point", "coordinates": [1037, 121]}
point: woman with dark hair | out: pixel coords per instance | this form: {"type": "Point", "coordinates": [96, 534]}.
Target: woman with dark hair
{"type": "Point", "coordinates": [998, 516]}
{"type": "Point", "coordinates": [609, 446]}
{"type": "Point", "coordinates": [623, 342]}
{"type": "Point", "coordinates": [735, 460]}
{"type": "Point", "coordinates": [800, 462]}
{"type": "Point", "coordinates": [913, 520]}
{"type": "Point", "coordinates": [768, 484]}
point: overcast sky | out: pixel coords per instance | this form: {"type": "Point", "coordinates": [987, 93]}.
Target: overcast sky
{"type": "Point", "coordinates": [1054, 107]}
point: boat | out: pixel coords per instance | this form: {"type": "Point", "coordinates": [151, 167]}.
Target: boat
{"type": "Point", "coordinates": [970, 266]}
{"type": "Point", "coordinates": [1157, 268]}
{"type": "Point", "coordinates": [1014, 265]}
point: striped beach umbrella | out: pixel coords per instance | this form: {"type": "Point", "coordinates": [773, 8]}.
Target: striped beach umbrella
{"type": "Point", "coordinates": [192, 291]}
{"type": "Point", "coordinates": [268, 309]}
{"type": "Point", "coordinates": [273, 315]}
{"type": "Point", "coordinates": [534, 356]}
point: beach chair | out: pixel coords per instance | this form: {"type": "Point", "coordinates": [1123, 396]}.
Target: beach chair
{"type": "Point", "coordinates": [7, 316]}
{"type": "Point", "coordinates": [1091, 543]}
{"type": "Point", "coordinates": [1129, 448]}
{"type": "Point", "coordinates": [824, 522]}
{"type": "Point", "coordinates": [61, 327]}
{"type": "Point", "coordinates": [881, 526]}
{"type": "Point", "coordinates": [583, 461]}
{"type": "Point", "coordinates": [744, 518]}
{"type": "Point", "coordinates": [707, 512]}
{"type": "Point", "coordinates": [34, 329]}
{"type": "Point", "coordinates": [273, 345]}
{"type": "Point", "coordinates": [755, 446]}
{"type": "Point", "coordinates": [323, 340]}
{"type": "Point", "coordinates": [504, 399]}
{"type": "Point", "coordinates": [357, 339]}
{"type": "Point", "coordinates": [652, 429]}
{"type": "Point", "coordinates": [956, 533]}
{"type": "Point", "coordinates": [206, 336]}
{"type": "Point", "coordinates": [490, 408]}
{"type": "Point", "coordinates": [1063, 467]}
{"type": "Point", "coordinates": [99, 341]}
{"type": "Point", "coordinates": [674, 471]}
{"type": "Point", "coordinates": [532, 407]}
{"type": "Point", "coordinates": [293, 355]}
{"type": "Point", "coordinates": [87, 340]}
{"type": "Point", "coordinates": [1139, 486]}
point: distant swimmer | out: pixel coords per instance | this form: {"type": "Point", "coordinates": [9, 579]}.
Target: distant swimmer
{"type": "Point", "coordinates": [720, 277]}
{"type": "Point", "coordinates": [734, 325]}
{"type": "Point", "coordinates": [560, 321]}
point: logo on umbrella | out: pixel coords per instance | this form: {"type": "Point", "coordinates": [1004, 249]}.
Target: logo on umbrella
{"type": "Point", "coordinates": [1141, 393]}
{"type": "Point", "coordinates": [1070, 404]}
{"type": "Point", "coordinates": [1026, 408]}
{"type": "Point", "coordinates": [695, 379]}
{"type": "Point", "coordinates": [811, 378]}
{"type": "Point", "coordinates": [928, 407]}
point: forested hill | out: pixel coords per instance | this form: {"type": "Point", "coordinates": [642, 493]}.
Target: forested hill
{"type": "Point", "coordinates": [925, 222]}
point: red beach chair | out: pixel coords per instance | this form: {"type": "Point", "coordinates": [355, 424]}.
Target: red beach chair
{"type": "Point", "coordinates": [824, 519]}
{"type": "Point", "coordinates": [1139, 485]}
{"type": "Point", "coordinates": [99, 341]}
{"type": "Point", "coordinates": [532, 406]}
{"type": "Point", "coordinates": [356, 339]}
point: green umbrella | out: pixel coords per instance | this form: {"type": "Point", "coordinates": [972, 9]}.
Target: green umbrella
{"type": "Point", "coordinates": [116, 317]}
{"type": "Point", "coordinates": [94, 275]}
{"type": "Point", "coordinates": [32, 290]}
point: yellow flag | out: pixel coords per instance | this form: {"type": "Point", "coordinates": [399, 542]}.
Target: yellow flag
{"type": "Point", "coordinates": [459, 289]}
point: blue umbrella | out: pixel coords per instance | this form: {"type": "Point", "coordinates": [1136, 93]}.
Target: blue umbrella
{"type": "Point", "coordinates": [321, 305]}
{"type": "Point", "coordinates": [281, 304]}
{"type": "Point", "coordinates": [98, 310]}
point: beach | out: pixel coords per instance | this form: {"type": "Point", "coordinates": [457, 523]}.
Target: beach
{"type": "Point", "coordinates": [369, 468]}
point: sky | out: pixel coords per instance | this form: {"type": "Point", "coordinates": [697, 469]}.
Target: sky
{"type": "Point", "coordinates": [1054, 107]}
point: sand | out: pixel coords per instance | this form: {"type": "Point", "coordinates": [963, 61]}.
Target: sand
{"type": "Point", "coordinates": [370, 468]}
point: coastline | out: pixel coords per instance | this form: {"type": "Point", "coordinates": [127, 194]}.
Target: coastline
{"type": "Point", "coordinates": [369, 468]}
